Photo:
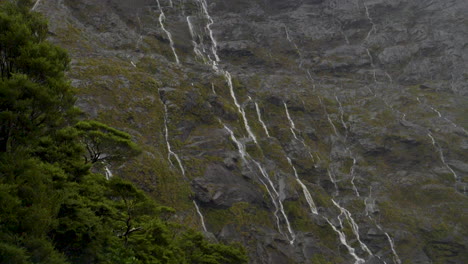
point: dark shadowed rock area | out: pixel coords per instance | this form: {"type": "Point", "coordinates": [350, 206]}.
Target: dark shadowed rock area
{"type": "Point", "coordinates": [310, 131]}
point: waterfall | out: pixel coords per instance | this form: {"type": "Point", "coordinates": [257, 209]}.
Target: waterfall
{"type": "Point", "coordinates": [214, 63]}
{"type": "Point", "coordinates": [280, 203]}
{"type": "Point", "coordinates": [240, 146]}
{"type": "Point", "coordinates": [292, 127]}
{"type": "Point", "coordinates": [202, 219]}
{"type": "Point", "coordinates": [275, 204]}
{"type": "Point", "coordinates": [353, 176]}
{"type": "Point", "coordinates": [341, 113]}
{"type": "Point", "coordinates": [439, 114]}
{"type": "Point", "coordinates": [108, 173]}
{"type": "Point", "coordinates": [344, 242]}
{"type": "Point", "coordinates": [213, 89]}
{"type": "Point", "coordinates": [333, 180]}
{"type": "Point", "coordinates": [396, 259]}
{"type": "Point", "coordinates": [306, 192]}
{"type": "Point", "coordinates": [288, 37]}
{"type": "Point", "coordinates": [259, 115]}
{"type": "Point", "coordinates": [291, 122]}
{"type": "Point", "coordinates": [35, 5]}
{"type": "Point", "coordinates": [354, 226]}
{"type": "Point", "coordinates": [441, 155]}
{"type": "Point", "coordinates": [272, 192]}
{"type": "Point", "coordinates": [171, 153]}
{"type": "Point", "coordinates": [162, 18]}
{"type": "Point", "coordinates": [370, 207]}
{"type": "Point", "coordinates": [328, 117]}
{"type": "Point", "coordinates": [196, 47]}
{"type": "Point", "coordinates": [332, 125]}
{"type": "Point", "coordinates": [208, 28]}
{"type": "Point", "coordinates": [373, 28]}
{"type": "Point", "coordinates": [228, 77]}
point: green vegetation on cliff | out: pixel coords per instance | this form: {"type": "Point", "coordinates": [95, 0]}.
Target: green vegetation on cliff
{"type": "Point", "coordinates": [53, 209]}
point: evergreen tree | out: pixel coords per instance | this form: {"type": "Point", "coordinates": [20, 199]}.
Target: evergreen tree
{"type": "Point", "coordinates": [52, 208]}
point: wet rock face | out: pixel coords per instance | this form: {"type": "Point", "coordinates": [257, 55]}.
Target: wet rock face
{"type": "Point", "coordinates": [376, 99]}
{"type": "Point", "coordinates": [221, 188]}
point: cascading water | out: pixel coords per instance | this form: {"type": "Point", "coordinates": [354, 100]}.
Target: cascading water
{"type": "Point", "coordinates": [108, 172]}
{"type": "Point", "coordinates": [196, 46]}
{"type": "Point", "coordinates": [439, 114]}
{"type": "Point", "coordinates": [344, 242]}
{"type": "Point", "coordinates": [328, 117]}
{"type": "Point", "coordinates": [333, 180]}
{"type": "Point", "coordinates": [240, 146]}
{"type": "Point", "coordinates": [214, 63]}
{"type": "Point", "coordinates": [259, 115]}
{"type": "Point", "coordinates": [202, 219]}
{"type": "Point", "coordinates": [353, 176]}
{"type": "Point", "coordinates": [306, 192]}
{"type": "Point", "coordinates": [373, 27]}
{"type": "Point", "coordinates": [288, 37]}
{"type": "Point", "coordinates": [332, 125]}
{"type": "Point", "coordinates": [354, 226]}
{"type": "Point", "coordinates": [280, 203]}
{"type": "Point", "coordinates": [396, 258]}
{"type": "Point", "coordinates": [171, 153]}
{"type": "Point", "coordinates": [35, 5]}
{"type": "Point", "coordinates": [370, 206]}
{"type": "Point", "coordinates": [162, 18]}
{"type": "Point", "coordinates": [213, 89]}
{"type": "Point", "coordinates": [228, 77]}
{"type": "Point", "coordinates": [291, 122]}
{"type": "Point", "coordinates": [341, 113]}
{"type": "Point", "coordinates": [441, 155]}
{"type": "Point", "coordinates": [292, 128]}
{"type": "Point", "coordinates": [214, 45]}
{"type": "Point", "coordinates": [272, 192]}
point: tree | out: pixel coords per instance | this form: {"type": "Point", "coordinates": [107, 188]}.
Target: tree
{"type": "Point", "coordinates": [104, 143]}
{"type": "Point", "coordinates": [35, 97]}
{"type": "Point", "coordinates": [52, 208]}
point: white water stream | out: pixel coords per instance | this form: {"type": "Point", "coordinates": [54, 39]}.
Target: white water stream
{"type": "Point", "coordinates": [373, 27]}
{"type": "Point", "coordinates": [306, 192]}
{"type": "Point", "coordinates": [396, 259]}
{"type": "Point", "coordinates": [162, 18]}
{"type": "Point", "coordinates": [171, 153]}
{"type": "Point", "coordinates": [353, 176]}
{"type": "Point", "coordinates": [35, 5]}
{"type": "Point", "coordinates": [214, 62]}
{"type": "Point", "coordinates": [291, 122]}
{"type": "Point", "coordinates": [333, 180]}
{"type": "Point", "coordinates": [272, 192]}
{"type": "Point", "coordinates": [228, 77]}
{"type": "Point", "coordinates": [259, 115]}
{"type": "Point", "coordinates": [278, 198]}
{"type": "Point", "coordinates": [354, 226]}
{"type": "Point", "coordinates": [344, 242]}
{"type": "Point", "coordinates": [214, 45]}
{"type": "Point", "coordinates": [108, 172]}
{"type": "Point", "coordinates": [341, 113]}
{"type": "Point", "coordinates": [441, 155]}
{"type": "Point", "coordinates": [202, 219]}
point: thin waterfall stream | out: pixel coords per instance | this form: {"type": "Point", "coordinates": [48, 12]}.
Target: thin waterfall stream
{"type": "Point", "coordinates": [162, 18]}
{"type": "Point", "coordinates": [202, 219]}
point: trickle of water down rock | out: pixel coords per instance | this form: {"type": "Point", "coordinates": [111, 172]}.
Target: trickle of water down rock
{"type": "Point", "coordinates": [308, 131]}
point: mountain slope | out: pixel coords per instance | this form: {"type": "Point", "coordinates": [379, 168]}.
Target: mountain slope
{"type": "Point", "coordinates": [310, 131]}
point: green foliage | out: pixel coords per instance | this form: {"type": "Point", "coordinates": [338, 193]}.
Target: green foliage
{"type": "Point", "coordinates": [105, 143]}
{"type": "Point", "coordinates": [52, 208]}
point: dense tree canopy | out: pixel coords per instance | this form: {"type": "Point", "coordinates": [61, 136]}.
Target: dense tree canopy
{"type": "Point", "coordinates": [52, 208]}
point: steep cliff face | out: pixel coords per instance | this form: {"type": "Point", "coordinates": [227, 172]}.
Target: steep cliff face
{"type": "Point", "coordinates": [310, 131]}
